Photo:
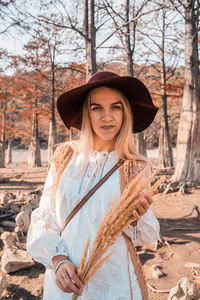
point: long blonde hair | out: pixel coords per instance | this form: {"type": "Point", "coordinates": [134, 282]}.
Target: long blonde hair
{"type": "Point", "coordinates": [125, 141]}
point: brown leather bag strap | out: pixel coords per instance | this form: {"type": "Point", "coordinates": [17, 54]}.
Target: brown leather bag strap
{"type": "Point", "coordinates": [137, 266]}
{"type": "Point", "coordinates": [90, 193]}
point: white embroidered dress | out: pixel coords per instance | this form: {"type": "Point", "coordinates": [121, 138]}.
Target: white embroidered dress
{"type": "Point", "coordinates": [111, 282]}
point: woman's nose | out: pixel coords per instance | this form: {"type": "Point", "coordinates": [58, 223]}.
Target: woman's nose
{"type": "Point", "coordinates": [107, 115]}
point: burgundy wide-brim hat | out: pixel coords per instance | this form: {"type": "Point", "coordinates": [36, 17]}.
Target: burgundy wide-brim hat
{"type": "Point", "coordinates": [70, 103]}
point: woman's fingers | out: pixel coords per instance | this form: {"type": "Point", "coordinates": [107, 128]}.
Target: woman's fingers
{"type": "Point", "coordinates": [67, 279]}
{"type": "Point", "coordinates": [77, 286]}
{"type": "Point", "coordinates": [141, 206]}
{"type": "Point", "coordinates": [61, 284]}
{"type": "Point", "coordinates": [71, 286]}
{"type": "Point", "coordinates": [148, 198]}
{"type": "Point", "coordinates": [136, 215]}
{"type": "Point", "coordinates": [75, 278]}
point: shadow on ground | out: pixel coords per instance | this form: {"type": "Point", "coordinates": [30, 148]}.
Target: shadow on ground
{"type": "Point", "coordinates": [182, 229]}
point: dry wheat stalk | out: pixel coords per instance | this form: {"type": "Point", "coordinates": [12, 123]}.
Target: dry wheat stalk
{"type": "Point", "coordinates": [83, 258]}
{"type": "Point", "coordinates": [116, 219]}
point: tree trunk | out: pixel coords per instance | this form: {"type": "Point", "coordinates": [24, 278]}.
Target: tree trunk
{"type": "Point", "coordinates": [165, 148]}
{"type": "Point", "coordinates": [188, 140]}
{"type": "Point", "coordinates": [140, 143]}
{"type": "Point", "coordinates": [90, 38]}
{"type": "Point", "coordinates": [52, 126]}
{"type": "Point", "coordinates": [139, 137]}
{"type": "Point", "coordinates": [3, 134]}
{"type": "Point", "coordinates": [34, 149]}
{"type": "Point", "coordinates": [129, 51]}
{"type": "Point", "coordinates": [9, 153]}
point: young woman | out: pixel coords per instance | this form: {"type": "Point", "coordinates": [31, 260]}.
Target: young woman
{"type": "Point", "coordinates": [107, 109]}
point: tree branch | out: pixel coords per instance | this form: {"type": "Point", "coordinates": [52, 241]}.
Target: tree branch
{"type": "Point", "coordinates": [177, 8]}
{"type": "Point", "coordinates": [125, 24]}
{"type": "Point", "coordinates": [44, 76]}
{"type": "Point", "coordinates": [11, 25]}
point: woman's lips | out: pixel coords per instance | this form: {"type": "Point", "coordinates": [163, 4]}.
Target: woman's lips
{"type": "Point", "coordinates": [107, 127]}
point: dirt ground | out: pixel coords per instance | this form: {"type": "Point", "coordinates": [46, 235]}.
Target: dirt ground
{"type": "Point", "coordinates": [176, 258]}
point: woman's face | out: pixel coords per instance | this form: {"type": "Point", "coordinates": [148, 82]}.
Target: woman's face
{"type": "Point", "coordinates": [106, 115]}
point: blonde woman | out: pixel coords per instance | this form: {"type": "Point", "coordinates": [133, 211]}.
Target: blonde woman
{"type": "Point", "coordinates": [108, 109]}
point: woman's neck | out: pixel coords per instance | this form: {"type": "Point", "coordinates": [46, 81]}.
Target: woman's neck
{"type": "Point", "coordinates": [104, 146]}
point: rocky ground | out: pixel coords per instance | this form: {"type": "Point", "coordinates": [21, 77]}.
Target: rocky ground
{"type": "Point", "coordinates": [175, 258]}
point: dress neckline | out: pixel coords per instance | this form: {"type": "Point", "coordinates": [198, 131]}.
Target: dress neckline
{"type": "Point", "coordinates": [103, 153]}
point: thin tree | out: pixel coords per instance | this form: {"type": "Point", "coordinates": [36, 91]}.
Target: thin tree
{"type": "Point", "coordinates": [90, 37]}
{"type": "Point", "coordinates": [165, 51]}
{"type": "Point", "coordinates": [33, 85]}
{"type": "Point", "coordinates": [34, 148]}
{"type": "Point", "coordinates": [3, 129]}
{"type": "Point", "coordinates": [165, 146]}
{"type": "Point", "coordinates": [125, 21]}
{"type": "Point", "coordinates": [188, 140]}
{"type": "Point", "coordinates": [46, 44]}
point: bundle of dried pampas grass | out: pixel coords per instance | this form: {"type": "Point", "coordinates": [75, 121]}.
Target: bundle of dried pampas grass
{"type": "Point", "coordinates": [116, 219]}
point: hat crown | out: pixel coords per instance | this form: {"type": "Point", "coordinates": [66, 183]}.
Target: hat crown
{"type": "Point", "coordinates": [103, 75]}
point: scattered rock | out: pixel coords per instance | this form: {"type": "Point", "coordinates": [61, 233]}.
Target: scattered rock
{"type": "Point", "coordinates": [157, 272]}
{"type": "Point", "coordinates": [28, 208]}
{"type": "Point", "coordinates": [22, 197]}
{"type": "Point", "coordinates": [22, 221]}
{"type": "Point", "coordinates": [184, 290]}
{"type": "Point", "coordinates": [185, 188]}
{"type": "Point", "coordinates": [12, 262]}
{"type": "Point", "coordinates": [33, 200]}
{"type": "Point", "coordinates": [8, 240]}
{"type": "Point", "coordinates": [14, 208]}
{"type": "Point", "coordinates": [8, 224]}
{"type": "Point", "coordinates": [14, 259]}
{"type": "Point", "coordinates": [4, 216]}
{"type": "Point", "coordinates": [162, 187]}
{"type": "Point", "coordinates": [5, 197]}
{"type": "Point", "coordinates": [38, 191]}
{"type": "Point", "coordinates": [171, 187]}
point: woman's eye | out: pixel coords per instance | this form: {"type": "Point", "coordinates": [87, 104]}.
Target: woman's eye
{"type": "Point", "coordinates": [95, 108]}
{"type": "Point", "coordinates": [116, 107]}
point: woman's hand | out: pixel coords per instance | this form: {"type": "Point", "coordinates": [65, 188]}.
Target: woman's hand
{"type": "Point", "coordinates": [142, 205]}
{"type": "Point", "coordinates": [67, 279]}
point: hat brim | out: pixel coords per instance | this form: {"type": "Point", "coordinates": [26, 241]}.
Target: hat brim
{"type": "Point", "coordinates": [70, 103]}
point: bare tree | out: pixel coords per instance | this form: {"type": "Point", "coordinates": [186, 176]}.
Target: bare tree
{"type": "Point", "coordinates": [3, 131]}
{"type": "Point", "coordinates": [34, 148]}
{"type": "Point", "coordinates": [47, 44]}
{"type": "Point", "coordinates": [165, 146]}
{"type": "Point", "coordinates": [125, 20]}
{"type": "Point", "coordinates": [188, 140]}
{"type": "Point", "coordinates": [90, 37]}
{"type": "Point", "coordinates": [9, 153]}
{"type": "Point", "coordinates": [161, 43]}
{"type": "Point", "coordinates": [70, 21]}
{"type": "Point", "coordinates": [33, 61]}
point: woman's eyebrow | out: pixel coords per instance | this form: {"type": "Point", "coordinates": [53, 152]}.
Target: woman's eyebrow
{"type": "Point", "coordinates": [118, 102]}
{"type": "Point", "coordinates": [95, 104]}
{"type": "Point", "coordinates": [114, 103]}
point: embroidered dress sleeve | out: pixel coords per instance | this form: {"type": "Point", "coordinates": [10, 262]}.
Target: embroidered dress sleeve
{"type": "Point", "coordinates": [147, 229]}
{"type": "Point", "coordinates": [43, 240]}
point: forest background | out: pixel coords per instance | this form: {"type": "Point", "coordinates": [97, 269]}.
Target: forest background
{"type": "Point", "coordinates": [64, 42]}
{"type": "Point", "coordinates": [50, 46]}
